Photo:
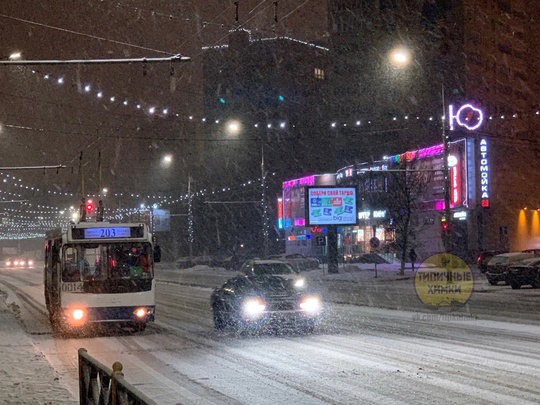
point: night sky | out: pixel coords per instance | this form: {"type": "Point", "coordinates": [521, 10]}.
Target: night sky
{"type": "Point", "coordinates": [48, 123]}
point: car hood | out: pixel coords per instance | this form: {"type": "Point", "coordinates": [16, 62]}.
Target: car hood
{"type": "Point", "coordinates": [272, 285]}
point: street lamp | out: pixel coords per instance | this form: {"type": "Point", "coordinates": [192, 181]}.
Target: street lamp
{"type": "Point", "coordinates": [166, 160]}
{"type": "Point", "coordinates": [15, 56]}
{"type": "Point", "coordinates": [400, 57]}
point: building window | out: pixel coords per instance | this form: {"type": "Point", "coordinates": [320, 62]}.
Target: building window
{"type": "Point", "coordinates": [319, 74]}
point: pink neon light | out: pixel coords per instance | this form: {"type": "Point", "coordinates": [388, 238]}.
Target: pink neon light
{"type": "Point", "coordinates": [439, 205]}
{"type": "Point", "coordinates": [456, 184]}
{"type": "Point", "coordinates": [420, 153]}
{"type": "Point", "coordinates": [469, 116]}
{"type": "Point", "coordinates": [304, 181]}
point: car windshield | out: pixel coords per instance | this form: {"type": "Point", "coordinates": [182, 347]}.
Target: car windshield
{"type": "Point", "coordinates": [495, 260]}
{"type": "Point", "coordinates": [272, 269]}
{"type": "Point", "coordinates": [529, 262]}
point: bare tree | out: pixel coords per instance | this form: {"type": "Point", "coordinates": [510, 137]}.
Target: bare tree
{"type": "Point", "coordinates": [406, 187]}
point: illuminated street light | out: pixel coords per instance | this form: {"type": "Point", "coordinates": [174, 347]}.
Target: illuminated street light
{"type": "Point", "coordinates": [15, 56]}
{"type": "Point", "coordinates": [400, 57]}
{"type": "Point", "coordinates": [167, 160]}
{"type": "Point", "coordinates": [233, 127]}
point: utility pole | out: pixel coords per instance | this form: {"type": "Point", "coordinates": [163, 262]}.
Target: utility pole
{"type": "Point", "coordinates": [446, 179]}
{"type": "Point", "coordinates": [264, 207]}
{"type": "Point", "coordinates": [190, 219]}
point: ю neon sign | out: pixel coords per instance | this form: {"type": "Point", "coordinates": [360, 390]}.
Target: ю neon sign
{"type": "Point", "coordinates": [467, 116]}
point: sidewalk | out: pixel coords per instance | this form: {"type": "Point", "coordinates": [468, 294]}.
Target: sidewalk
{"type": "Point", "coordinates": [26, 378]}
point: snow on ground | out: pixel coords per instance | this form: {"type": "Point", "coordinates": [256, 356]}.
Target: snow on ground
{"type": "Point", "coordinates": [26, 377]}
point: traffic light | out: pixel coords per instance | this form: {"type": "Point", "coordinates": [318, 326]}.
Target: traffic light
{"type": "Point", "coordinates": [444, 226]}
{"type": "Point", "coordinates": [89, 207]}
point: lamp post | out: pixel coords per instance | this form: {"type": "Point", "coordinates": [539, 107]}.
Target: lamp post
{"type": "Point", "coordinates": [400, 57]}
{"type": "Point", "coordinates": [446, 177]}
{"type": "Point", "coordinates": [233, 128]}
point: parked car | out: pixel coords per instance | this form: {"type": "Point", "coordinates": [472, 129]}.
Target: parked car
{"type": "Point", "coordinates": [525, 272]}
{"type": "Point", "coordinates": [299, 261]}
{"type": "Point", "coordinates": [483, 258]}
{"type": "Point", "coordinates": [497, 266]}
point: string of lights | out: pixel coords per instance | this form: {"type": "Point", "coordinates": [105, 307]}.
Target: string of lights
{"type": "Point", "coordinates": [162, 111]}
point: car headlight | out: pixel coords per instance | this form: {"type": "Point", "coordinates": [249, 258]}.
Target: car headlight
{"type": "Point", "coordinates": [8, 263]}
{"type": "Point", "coordinates": [311, 305]}
{"type": "Point", "coordinates": [300, 283]}
{"type": "Point", "coordinates": [30, 262]}
{"type": "Point", "coordinates": [253, 307]}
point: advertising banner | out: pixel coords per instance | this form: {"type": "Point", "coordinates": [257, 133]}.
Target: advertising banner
{"type": "Point", "coordinates": [331, 206]}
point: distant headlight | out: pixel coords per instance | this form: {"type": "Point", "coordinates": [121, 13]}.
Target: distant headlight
{"type": "Point", "coordinates": [22, 262]}
{"type": "Point", "coordinates": [300, 283]}
{"type": "Point", "coordinates": [8, 263]}
{"type": "Point", "coordinates": [253, 307]}
{"type": "Point", "coordinates": [30, 262]}
{"type": "Point", "coordinates": [312, 305]}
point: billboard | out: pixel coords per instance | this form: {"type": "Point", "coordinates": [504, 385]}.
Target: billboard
{"type": "Point", "coordinates": [331, 206]}
{"type": "Point", "coordinates": [161, 220]}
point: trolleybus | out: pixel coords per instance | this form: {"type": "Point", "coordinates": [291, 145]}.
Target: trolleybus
{"type": "Point", "coordinates": [98, 273]}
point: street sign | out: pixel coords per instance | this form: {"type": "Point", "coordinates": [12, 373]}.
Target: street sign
{"type": "Point", "coordinates": [374, 242]}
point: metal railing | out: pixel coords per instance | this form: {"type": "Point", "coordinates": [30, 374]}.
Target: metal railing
{"type": "Point", "coordinates": [101, 385]}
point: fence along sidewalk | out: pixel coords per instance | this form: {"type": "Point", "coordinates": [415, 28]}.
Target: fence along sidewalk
{"type": "Point", "coordinates": [99, 384]}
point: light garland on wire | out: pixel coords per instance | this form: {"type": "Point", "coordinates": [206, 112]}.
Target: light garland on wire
{"type": "Point", "coordinates": [57, 217]}
{"type": "Point", "coordinates": [158, 200]}
{"type": "Point", "coordinates": [153, 109]}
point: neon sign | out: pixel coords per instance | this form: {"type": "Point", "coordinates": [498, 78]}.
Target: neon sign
{"type": "Point", "coordinates": [484, 174]}
{"type": "Point", "coordinates": [455, 179]}
{"type": "Point", "coordinates": [280, 213]}
{"type": "Point", "coordinates": [467, 116]}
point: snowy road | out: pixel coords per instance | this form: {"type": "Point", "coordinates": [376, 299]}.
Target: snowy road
{"type": "Point", "coordinates": [357, 355]}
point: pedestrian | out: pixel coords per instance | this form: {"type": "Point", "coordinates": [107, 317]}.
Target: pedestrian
{"type": "Point", "coordinates": [412, 257]}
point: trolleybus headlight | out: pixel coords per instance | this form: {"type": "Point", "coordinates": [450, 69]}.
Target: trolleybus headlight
{"type": "Point", "coordinates": [141, 312]}
{"type": "Point", "coordinates": [76, 316]}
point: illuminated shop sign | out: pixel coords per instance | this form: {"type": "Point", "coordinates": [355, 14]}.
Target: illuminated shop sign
{"type": "Point", "coordinates": [376, 214]}
{"type": "Point", "coordinates": [377, 168]}
{"type": "Point", "coordinates": [304, 181]}
{"type": "Point", "coordinates": [460, 215]}
{"type": "Point", "coordinates": [280, 213]}
{"type": "Point", "coordinates": [484, 173]}
{"type": "Point", "coordinates": [466, 116]}
{"type": "Point", "coordinates": [455, 180]}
